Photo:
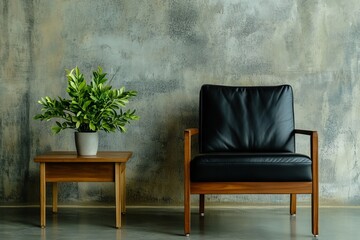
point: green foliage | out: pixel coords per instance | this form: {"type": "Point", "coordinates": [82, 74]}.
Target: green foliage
{"type": "Point", "coordinates": [91, 107]}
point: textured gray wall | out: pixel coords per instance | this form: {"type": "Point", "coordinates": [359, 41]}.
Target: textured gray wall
{"type": "Point", "coordinates": [166, 50]}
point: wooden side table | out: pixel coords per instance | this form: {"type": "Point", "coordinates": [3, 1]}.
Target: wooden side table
{"type": "Point", "coordinates": [64, 166]}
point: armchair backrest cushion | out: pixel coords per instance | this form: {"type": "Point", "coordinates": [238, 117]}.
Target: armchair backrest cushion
{"type": "Point", "coordinates": [246, 119]}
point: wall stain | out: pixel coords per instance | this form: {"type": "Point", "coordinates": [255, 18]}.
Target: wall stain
{"type": "Point", "coordinates": [4, 39]}
{"type": "Point", "coordinates": [166, 50]}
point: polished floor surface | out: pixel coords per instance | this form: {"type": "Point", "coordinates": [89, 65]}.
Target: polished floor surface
{"type": "Point", "coordinates": [158, 223]}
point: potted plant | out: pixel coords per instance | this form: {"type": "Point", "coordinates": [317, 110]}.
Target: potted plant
{"type": "Point", "coordinates": [89, 109]}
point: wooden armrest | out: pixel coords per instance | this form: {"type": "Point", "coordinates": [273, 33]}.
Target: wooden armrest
{"type": "Point", "coordinates": [192, 131]}
{"type": "Point", "coordinates": [305, 132]}
{"type": "Point", "coordinates": [188, 133]}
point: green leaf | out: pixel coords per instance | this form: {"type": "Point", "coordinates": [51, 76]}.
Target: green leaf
{"type": "Point", "coordinates": [56, 129]}
{"type": "Point", "coordinates": [86, 104]}
{"type": "Point", "coordinates": [92, 126]}
{"type": "Point", "coordinates": [94, 98]}
{"type": "Point", "coordinates": [82, 85]}
{"type": "Point", "coordinates": [73, 85]}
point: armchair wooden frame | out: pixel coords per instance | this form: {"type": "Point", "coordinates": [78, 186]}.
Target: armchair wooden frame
{"type": "Point", "coordinates": [291, 188]}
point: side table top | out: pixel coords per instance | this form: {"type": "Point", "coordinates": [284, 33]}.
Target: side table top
{"type": "Point", "coordinates": [71, 156]}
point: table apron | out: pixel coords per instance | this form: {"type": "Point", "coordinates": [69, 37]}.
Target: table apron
{"type": "Point", "coordinates": [81, 172]}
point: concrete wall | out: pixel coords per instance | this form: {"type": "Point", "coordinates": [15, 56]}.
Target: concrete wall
{"type": "Point", "coordinates": [166, 50]}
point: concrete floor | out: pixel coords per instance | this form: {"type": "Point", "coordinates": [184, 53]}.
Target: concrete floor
{"type": "Point", "coordinates": [167, 223]}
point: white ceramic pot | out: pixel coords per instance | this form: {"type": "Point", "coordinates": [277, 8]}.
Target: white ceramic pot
{"type": "Point", "coordinates": [86, 143]}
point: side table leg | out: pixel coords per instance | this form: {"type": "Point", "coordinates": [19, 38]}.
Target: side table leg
{"type": "Point", "coordinates": [55, 197]}
{"type": "Point", "coordinates": [123, 189]}
{"type": "Point", "coordinates": [42, 196]}
{"type": "Point", "coordinates": [117, 195]}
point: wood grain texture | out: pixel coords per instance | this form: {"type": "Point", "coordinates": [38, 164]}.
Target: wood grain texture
{"type": "Point", "coordinates": [68, 167]}
{"type": "Point", "coordinates": [250, 187]}
{"type": "Point", "coordinates": [71, 156]}
{"type": "Point", "coordinates": [80, 172]}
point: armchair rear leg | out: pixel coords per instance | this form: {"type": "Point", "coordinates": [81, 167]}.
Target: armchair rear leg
{"type": "Point", "coordinates": [292, 204]}
{"type": "Point", "coordinates": [202, 204]}
{"type": "Point", "coordinates": [187, 213]}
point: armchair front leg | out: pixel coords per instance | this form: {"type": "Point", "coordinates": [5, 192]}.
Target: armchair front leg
{"type": "Point", "coordinates": [314, 152]}
{"type": "Point", "coordinates": [187, 157]}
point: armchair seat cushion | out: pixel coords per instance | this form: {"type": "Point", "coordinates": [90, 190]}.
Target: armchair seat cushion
{"type": "Point", "coordinates": [250, 167]}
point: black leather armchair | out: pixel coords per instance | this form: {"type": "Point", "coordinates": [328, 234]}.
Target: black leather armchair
{"type": "Point", "coordinates": [247, 146]}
